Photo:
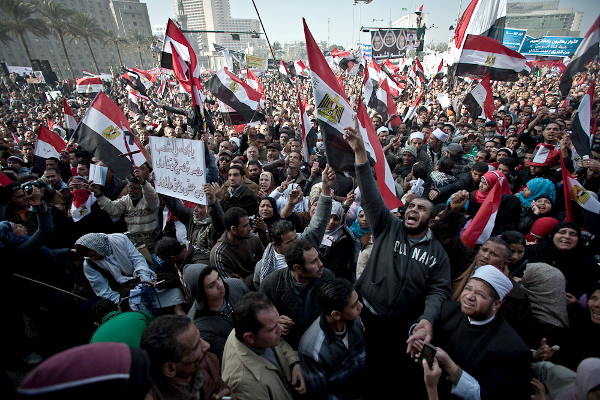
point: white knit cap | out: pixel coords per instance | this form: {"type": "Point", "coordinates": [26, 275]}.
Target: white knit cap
{"type": "Point", "coordinates": [440, 135]}
{"type": "Point", "coordinates": [492, 275]}
{"type": "Point", "coordinates": [382, 128]}
{"type": "Point", "coordinates": [416, 135]}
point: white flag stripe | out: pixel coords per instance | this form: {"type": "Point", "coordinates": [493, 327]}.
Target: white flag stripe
{"type": "Point", "coordinates": [98, 122]}
{"type": "Point", "coordinates": [584, 114]}
{"type": "Point", "coordinates": [585, 198]}
{"type": "Point", "coordinates": [45, 150]}
{"type": "Point", "coordinates": [489, 227]}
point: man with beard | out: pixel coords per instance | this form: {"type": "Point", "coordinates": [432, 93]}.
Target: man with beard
{"type": "Point", "coordinates": [403, 285]}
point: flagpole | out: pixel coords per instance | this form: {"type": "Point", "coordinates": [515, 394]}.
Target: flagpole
{"type": "Point", "coordinates": [264, 30]}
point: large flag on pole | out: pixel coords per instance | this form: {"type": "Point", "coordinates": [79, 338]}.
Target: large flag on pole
{"type": "Point", "coordinates": [236, 94]}
{"type": "Point", "coordinates": [586, 52]}
{"type": "Point", "coordinates": [482, 55]}
{"type": "Point", "coordinates": [105, 133]}
{"type": "Point", "coordinates": [333, 110]}
{"type": "Point", "coordinates": [254, 83]}
{"type": "Point", "coordinates": [301, 70]}
{"type": "Point", "coordinates": [581, 135]}
{"type": "Point", "coordinates": [481, 17]}
{"type": "Point", "coordinates": [48, 144]}
{"type": "Point", "coordinates": [479, 101]}
{"type": "Point", "coordinates": [306, 126]}
{"type": "Point", "coordinates": [378, 95]}
{"type": "Point", "coordinates": [481, 226]}
{"type": "Point", "coordinates": [69, 118]}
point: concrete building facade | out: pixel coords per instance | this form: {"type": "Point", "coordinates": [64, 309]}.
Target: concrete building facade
{"type": "Point", "coordinates": [543, 18]}
{"type": "Point", "coordinates": [121, 16]}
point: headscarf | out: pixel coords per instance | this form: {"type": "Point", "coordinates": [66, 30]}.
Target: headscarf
{"type": "Point", "coordinates": [275, 216]}
{"type": "Point", "coordinates": [545, 287]}
{"type": "Point", "coordinates": [541, 228]}
{"type": "Point", "coordinates": [588, 377]}
{"type": "Point", "coordinates": [97, 242]}
{"type": "Point", "coordinates": [117, 369]}
{"type": "Point", "coordinates": [492, 178]}
{"type": "Point", "coordinates": [539, 187]}
{"type": "Point", "coordinates": [332, 236]}
{"type": "Point", "coordinates": [358, 230]}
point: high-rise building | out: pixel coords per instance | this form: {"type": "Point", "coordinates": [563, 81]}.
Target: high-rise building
{"type": "Point", "coordinates": [543, 18]}
{"type": "Point", "coordinates": [123, 17]}
{"type": "Point", "coordinates": [213, 15]}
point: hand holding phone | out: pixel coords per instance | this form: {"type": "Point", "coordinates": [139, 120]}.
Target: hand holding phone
{"type": "Point", "coordinates": [427, 353]}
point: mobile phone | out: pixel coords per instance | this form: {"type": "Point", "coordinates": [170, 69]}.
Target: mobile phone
{"type": "Point", "coordinates": [427, 353]}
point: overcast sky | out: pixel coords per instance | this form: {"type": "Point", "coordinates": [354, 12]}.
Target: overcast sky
{"type": "Point", "coordinates": [283, 18]}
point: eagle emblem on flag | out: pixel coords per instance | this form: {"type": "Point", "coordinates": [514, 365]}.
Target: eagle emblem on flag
{"type": "Point", "coordinates": [111, 132]}
{"type": "Point", "coordinates": [490, 61]}
{"type": "Point", "coordinates": [330, 108]}
{"type": "Point", "coordinates": [580, 195]}
{"type": "Point", "coordinates": [234, 86]}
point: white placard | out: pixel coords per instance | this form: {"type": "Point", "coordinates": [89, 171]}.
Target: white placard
{"type": "Point", "coordinates": [179, 168]}
{"type": "Point", "coordinates": [443, 100]}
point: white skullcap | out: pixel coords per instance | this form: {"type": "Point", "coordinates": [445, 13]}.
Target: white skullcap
{"type": "Point", "coordinates": [416, 135]}
{"type": "Point", "coordinates": [235, 141]}
{"type": "Point", "coordinates": [492, 275]}
{"type": "Point", "coordinates": [382, 128]}
{"type": "Point", "coordinates": [440, 135]}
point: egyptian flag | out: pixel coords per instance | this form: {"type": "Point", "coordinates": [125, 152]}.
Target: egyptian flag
{"type": "Point", "coordinates": [412, 111]}
{"type": "Point", "coordinates": [236, 94]}
{"type": "Point", "coordinates": [385, 179]}
{"type": "Point", "coordinates": [383, 76]}
{"type": "Point", "coordinates": [254, 83]}
{"type": "Point", "coordinates": [306, 127]}
{"type": "Point", "coordinates": [483, 18]}
{"type": "Point", "coordinates": [333, 111]}
{"type": "Point", "coordinates": [350, 63]}
{"type": "Point", "coordinates": [481, 226]}
{"type": "Point", "coordinates": [482, 55]}
{"type": "Point", "coordinates": [105, 133]}
{"type": "Point", "coordinates": [378, 96]}
{"type": "Point", "coordinates": [162, 89]}
{"type": "Point", "coordinates": [581, 136]}
{"type": "Point", "coordinates": [392, 68]}
{"type": "Point", "coordinates": [88, 85]}
{"type": "Point", "coordinates": [544, 155]}
{"type": "Point", "coordinates": [283, 72]}
{"type": "Point", "coordinates": [419, 10]}
{"type": "Point", "coordinates": [586, 52]}
{"type": "Point", "coordinates": [134, 102]}
{"type": "Point", "coordinates": [419, 71]}
{"type": "Point", "coordinates": [590, 206]}
{"type": "Point", "coordinates": [69, 118]}
{"type": "Point", "coordinates": [137, 81]}
{"type": "Point", "coordinates": [301, 70]}
{"type": "Point", "coordinates": [479, 101]}
{"type": "Point", "coordinates": [49, 144]}
{"type": "Point", "coordinates": [440, 71]}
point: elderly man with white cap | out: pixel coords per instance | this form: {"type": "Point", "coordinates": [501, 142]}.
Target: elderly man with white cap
{"type": "Point", "coordinates": [481, 353]}
{"type": "Point", "coordinates": [436, 141]}
{"type": "Point", "coordinates": [417, 140]}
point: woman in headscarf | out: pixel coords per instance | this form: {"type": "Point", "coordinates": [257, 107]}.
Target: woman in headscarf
{"type": "Point", "coordinates": [564, 250]}
{"type": "Point", "coordinates": [545, 288]}
{"type": "Point", "coordinates": [337, 247]}
{"type": "Point", "coordinates": [540, 229]}
{"type": "Point", "coordinates": [97, 371]}
{"type": "Point", "coordinates": [266, 183]}
{"type": "Point", "coordinates": [360, 228]}
{"type": "Point", "coordinates": [268, 215]}
{"type": "Point", "coordinates": [486, 184]}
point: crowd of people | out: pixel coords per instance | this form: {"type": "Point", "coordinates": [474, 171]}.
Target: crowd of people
{"type": "Point", "coordinates": [296, 281]}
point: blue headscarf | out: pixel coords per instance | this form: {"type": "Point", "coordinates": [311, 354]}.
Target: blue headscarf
{"type": "Point", "coordinates": [7, 236]}
{"type": "Point", "coordinates": [356, 229]}
{"type": "Point", "coordinates": [539, 187]}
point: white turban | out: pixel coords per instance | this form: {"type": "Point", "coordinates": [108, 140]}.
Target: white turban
{"type": "Point", "coordinates": [440, 135]}
{"type": "Point", "coordinates": [416, 135]}
{"type": "Point", "coordinates": [496, 279]}
{"type": "Point", "coordinates": [382, 128]}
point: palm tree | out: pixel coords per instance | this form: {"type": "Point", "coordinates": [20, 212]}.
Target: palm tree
{"type": "Point", "coordinates": [113, 37]}
{"type": "Point", "coordinates": [18, 18]}
{"type": "Point", "coordinates": [87, 28]}
{"type": "Point", "coordinates": [57, 19]}
{"type": "Point", "coordinates": [140, 41]}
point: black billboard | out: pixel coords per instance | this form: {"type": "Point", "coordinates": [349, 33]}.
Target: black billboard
{"type": "Point", "coordinates": [393, 43]}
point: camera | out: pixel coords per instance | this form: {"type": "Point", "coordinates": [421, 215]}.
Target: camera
{"type": "Point", "coordinates": [28, 186]}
